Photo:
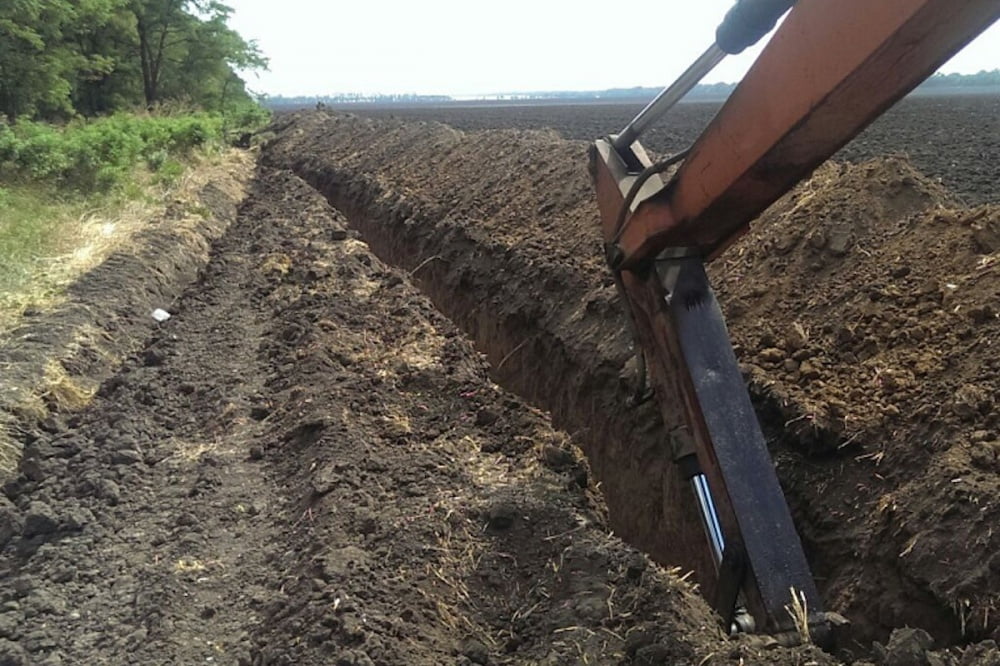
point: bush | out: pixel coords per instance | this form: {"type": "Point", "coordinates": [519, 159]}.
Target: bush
{"type": "Point", "coordinates": [169, 171]}
{"type": "Point", "coordinates": [8, 144]}
{"type": "Point", "coordinates": [245, 119]}
{"type": "Point", "coordinates": [100, 154]}
{"type": "Point", "coordinates": [194, 132]}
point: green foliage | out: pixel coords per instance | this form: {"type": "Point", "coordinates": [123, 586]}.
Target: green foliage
{"type": "Point", "coordinates": [168, 171]}
{"type": "Point", "coordinates": [244, 118]}
{"type": "Point", "coordinates": [31, 217]}
{"type": "Point", "coordinates": [61, 58]}
{"type": "Point", "coordinates": [101, 154]}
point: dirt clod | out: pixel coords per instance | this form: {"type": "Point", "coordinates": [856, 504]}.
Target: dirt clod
{"type": "Point", "coordinates": [906, 647]}
{"type": "Point", "coordinates": [11, 521]}
{"type": "Point", "coordinates": [39, 519]}
{"type": "Point", "coordinates": [501, 514]}
{"type": "Point", "coordinates": [476, 652]}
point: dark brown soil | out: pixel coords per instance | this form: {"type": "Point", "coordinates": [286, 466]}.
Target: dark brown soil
{"type": "Point", "coordinates": [308, 464]}
{"type": "Point", "coordinates": [864, 308]}
{"type": "Point", "coordinates": [951, 139]}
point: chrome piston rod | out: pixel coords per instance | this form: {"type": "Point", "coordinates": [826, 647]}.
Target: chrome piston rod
{"type": "Point", "coordinates": [742, 621]}
{"type": "Point", "coordinates": [745, 23]}
{"type": "Point", "coordinates": [669, 97]}
{"type": "Point", "coordinates": [709, 516]}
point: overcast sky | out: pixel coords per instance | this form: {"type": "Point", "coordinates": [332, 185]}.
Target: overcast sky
{"type": "Point", "coordinates": [468, 47]}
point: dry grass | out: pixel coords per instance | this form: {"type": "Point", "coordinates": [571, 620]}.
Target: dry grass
{"type": "Point", "coordinates": [48, 244]}
{"type": "Point", "coordinates": [74, 243]}
{"type": "Point", "coordinates": [63, 392]}
{"type": "Point", "coordinates": [798, 610]}
{"type": "Point", "coordinates": [10, 449]}
{"type": "Point", "coordinates": [192, 451]}
{"type": "Point", "coordinates": [279, 263]}
{"type": "Point", "coordinates": [56, 390]}
{"type": "Point", "coordinates": [188, 565]}
{"type": "Point", "coordinates": [73, 237]}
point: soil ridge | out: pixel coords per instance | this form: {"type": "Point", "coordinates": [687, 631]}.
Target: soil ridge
{"type": "Point", "coordinates": [499, 227]}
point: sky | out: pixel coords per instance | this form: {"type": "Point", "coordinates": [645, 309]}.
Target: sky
{"type": "Point", "coordinates": [470, 47]}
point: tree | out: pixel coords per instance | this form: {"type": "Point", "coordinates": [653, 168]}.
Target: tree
{"type": "Point", "coordinates": [59, 58]}
{"type": "Point", "coordinates": [35, 69]}
{"type": "Point", "coordinates": [187, 45]}
{"type": "Point", "coordinates": [107, 71]}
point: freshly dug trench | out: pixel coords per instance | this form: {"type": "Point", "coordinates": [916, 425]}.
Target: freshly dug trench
{"type": "Point", "coordinates": [309, 465]}
{"type": "Point", "coordinates": [552, 338]}
{"type": "Point", "coordinates": [863, 309]}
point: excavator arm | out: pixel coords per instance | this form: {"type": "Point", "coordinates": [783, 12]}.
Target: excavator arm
{"type": "Point", "coordinates": [830, 70]}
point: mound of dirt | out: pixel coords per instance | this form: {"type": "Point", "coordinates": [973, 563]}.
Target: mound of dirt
{"type": "Point", "coordinates": [866, 307]}
{"type": "Point", "coordinates": [308, 464]}
{"type": "Point", "coordinates": [863, 306]}
{"type": "Point", "coordinates": [53, 359]}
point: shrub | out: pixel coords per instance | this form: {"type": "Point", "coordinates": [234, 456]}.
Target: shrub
{"type": "Point", "coordinates": [169, 171]}
{"type": "Point", "coordinates": [8, 144]}
{"type": "Point", "coordinates": [245, 119]}
{"type": "Point", "coordinates": [100, 154]}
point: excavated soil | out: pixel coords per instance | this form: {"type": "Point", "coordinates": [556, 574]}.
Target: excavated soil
{"type": "Point", "coordinates": [952, 139]}
{"type": "Point", "coordinates": [864, 308]}
{"type": "Point", "coordinates": [308, 464]}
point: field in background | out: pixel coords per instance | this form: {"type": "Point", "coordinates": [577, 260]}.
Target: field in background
{"type": "Point", "coordinates": [952, 139]}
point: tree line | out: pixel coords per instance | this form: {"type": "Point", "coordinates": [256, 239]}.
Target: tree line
{"type": "Point", "coordinates": [986, 80]}
{"type": "Point", "coordinates": [982, 79]}
{"type": "Point", "coordinates": [63, 58]}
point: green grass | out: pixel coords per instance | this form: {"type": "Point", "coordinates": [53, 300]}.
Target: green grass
{"type": "Point", "coordinates": [102, 155]}
{"type": "Point", "coordinates": [66, 191]}
{"type": "Point", "coordinates": [31, 218]}
{"type": "Point", "coordinates": [40, 229]}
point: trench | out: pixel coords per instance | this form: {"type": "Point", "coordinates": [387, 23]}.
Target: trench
{"type": "Point", "coordinates": [569, 355]}
{"type": "Point", "coordinates": [569, 358]}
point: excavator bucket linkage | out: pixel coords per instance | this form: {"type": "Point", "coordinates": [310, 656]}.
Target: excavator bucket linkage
{"type": "Point", "coordinates": [829, 71]}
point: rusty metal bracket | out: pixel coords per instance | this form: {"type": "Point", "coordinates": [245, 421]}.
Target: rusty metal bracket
{"type": "Point", "coordinates": [676, 320]}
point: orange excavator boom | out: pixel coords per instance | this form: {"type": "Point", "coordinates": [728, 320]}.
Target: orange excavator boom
{"type": "Point", "coordinates": [831, 69]}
